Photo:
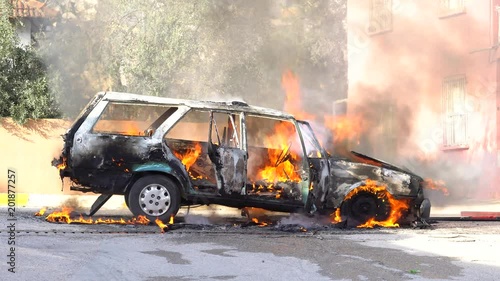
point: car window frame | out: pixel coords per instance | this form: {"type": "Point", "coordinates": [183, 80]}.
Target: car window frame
{"type": "Point", "coordinates": [107, 103]}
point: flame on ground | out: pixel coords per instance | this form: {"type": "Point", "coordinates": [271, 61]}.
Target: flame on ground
{"type": "Point", "coordinates": [259, 223]}
{"type": "Point", "coordinates": [397, 206]}
{"type": "Point", "coordinates": [64, 216]}
{"type": "Point", "coordinates": [41, 212]}
{"type": "Point", "coordinates": [164, 227]}
{"type": "Point", "coordinates": [436, 185]}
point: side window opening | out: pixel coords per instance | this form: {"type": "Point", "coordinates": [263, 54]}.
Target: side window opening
{"type": "Point", "coordinates": [312, 146]}
{"type": "Point", "coordinates": [226, 130]}
{"type": "Point", "coordinates": [274, 157]}
{"type": "Point", "coordinates": [187, 140]}
{"type": "Point", "coordinates": [132, 119]}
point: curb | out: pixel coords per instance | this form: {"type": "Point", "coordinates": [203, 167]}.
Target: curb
{"type": "Point", "coordinates": [117, 203]}
{"type": "Point", "coordinates": [55, 200]}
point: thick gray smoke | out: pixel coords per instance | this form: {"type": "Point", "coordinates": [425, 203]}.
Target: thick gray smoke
{"type": "Point", "coordinates": [198, 49]}
{"type": "Point", "coordinates": [396, 83]}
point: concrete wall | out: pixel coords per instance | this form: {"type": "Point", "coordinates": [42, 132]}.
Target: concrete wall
{"type": "Point", "coordinates": [29, 151]}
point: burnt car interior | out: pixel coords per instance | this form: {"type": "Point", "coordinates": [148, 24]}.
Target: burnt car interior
{"type": "Point", "coordinates": [128, 119]}
{"type": "Point", "coordinates": [272, 169]}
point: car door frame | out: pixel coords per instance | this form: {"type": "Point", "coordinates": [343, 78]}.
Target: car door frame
{"type": "Point", "coordinates": [230, 163]}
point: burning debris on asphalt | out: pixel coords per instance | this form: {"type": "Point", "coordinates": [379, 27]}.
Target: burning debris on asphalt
{"type": "Point", "coordinates": [67, 215]}
{"type": "Point", "coordinates": [41, 212]}
{"type": "Point", "coordinates": [256, 220]}
{"type": "Point", "coordinates": [165, 227]}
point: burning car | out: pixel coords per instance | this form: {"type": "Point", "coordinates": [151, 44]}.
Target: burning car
{"type": "Point", "coordinates": [163, 153]}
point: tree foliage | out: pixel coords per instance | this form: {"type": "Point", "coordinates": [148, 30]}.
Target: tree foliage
{"type": "Point", "coordinates": [24, 90]}
{"type": "Point", "coordinates": [198, 49]}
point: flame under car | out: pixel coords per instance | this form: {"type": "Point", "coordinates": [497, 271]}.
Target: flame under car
{"type": "Point", "coordinates": [163, 153]}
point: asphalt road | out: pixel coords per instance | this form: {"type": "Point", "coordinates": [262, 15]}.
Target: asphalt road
{"type": "Point", "coordinates": [291, 248]}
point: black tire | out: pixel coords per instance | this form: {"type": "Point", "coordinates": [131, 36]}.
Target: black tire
{"type": "Point", "coordinates": [164, 198]}
{"type": "Point", "coordinates": [363, 206]}
{"type": "Point", "coordinates": [125, 196]}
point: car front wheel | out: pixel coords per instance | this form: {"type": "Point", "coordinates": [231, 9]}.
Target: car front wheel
{"type": "Point", "coordinates": [362, 207]}
{"type": "Point", "coordinates": [155, 197]}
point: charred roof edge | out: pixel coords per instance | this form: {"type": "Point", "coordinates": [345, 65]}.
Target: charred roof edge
{"type": "Point", "coordinates": [229, 105]}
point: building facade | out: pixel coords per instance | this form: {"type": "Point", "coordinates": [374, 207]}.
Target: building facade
{"type": "Point", "coordinates": [31, 17]}
{"type": "Point", "coordinates": [424, 75]}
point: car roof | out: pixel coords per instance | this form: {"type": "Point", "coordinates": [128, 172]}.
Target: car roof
{"type": "Point", "coordinates": [218, 105]}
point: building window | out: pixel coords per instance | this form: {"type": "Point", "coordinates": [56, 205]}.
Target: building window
{"type": "Point", "coordinates": [455, 123]}
{"type": "Point", "coordinates": [451, 7]}
{"type": "Point", "coordinates": [380, 16]}
{"type": "Point", "coordinates": [496, 20]}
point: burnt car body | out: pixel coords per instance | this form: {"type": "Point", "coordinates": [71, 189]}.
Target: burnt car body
{"type": "Point", "coordinates": [163, 153]}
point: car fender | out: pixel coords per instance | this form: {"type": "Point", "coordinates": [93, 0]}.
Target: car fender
{"type": "Point", "coordinates": [165, 169]}
{"type": "Point", "coordinates": [344, 190]}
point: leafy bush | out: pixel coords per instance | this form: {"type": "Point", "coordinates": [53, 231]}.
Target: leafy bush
{"type": "Point", "coordinates": [24, 89]}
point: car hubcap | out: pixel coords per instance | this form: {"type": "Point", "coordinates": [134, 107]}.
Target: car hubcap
{"type": "Point", "coordinates": [154, 199]}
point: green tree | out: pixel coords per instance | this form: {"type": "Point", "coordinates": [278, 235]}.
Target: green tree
{"type": "Point", "coordinates": [24, 91]}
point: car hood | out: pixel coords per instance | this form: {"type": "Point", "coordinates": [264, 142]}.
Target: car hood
{"type": "Point", "coordinates": [379, 163]}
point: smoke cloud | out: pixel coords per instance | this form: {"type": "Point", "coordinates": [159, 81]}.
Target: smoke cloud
{"type": "Point", "coordinates": [396, 83]}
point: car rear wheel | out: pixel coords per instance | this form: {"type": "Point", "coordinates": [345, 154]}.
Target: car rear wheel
{"type": "Point", "coordinates": [155, 197]}
{"type": "Point", "coordinates": [125, 196]}
{"type": "Point", "coordinates": [362, 207]}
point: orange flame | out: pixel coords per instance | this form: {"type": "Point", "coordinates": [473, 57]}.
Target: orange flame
{"type": "Point", "coordinates": [60, 216]}
{"type": "Point", "coordinates": [279, 166]}
{"type": "Point", "coordinates": [41, 212]}
{"type": "Point", "coordinates": [163, 227]}
{"type": "Point", "coordinates": [293, 103]}
{"type": "Point", "coordinates": [133, 129]}
{"type": "Point", "coordinates": [344, 128]}
{"type": "Point", "coordinates": [436, 185]}
{"type": "Point", "coordinates": [336, 218]}
{"type": "Point", "coordinates": [189, 157]}
{"type": "Point", "coordinates": [259, 223]}
{"type": "Point", "coordinates": [397, 206]}
{"type": "Point", "coordinates": [397, 209]}
{"type": "Point", "coordinates": [62, 165]}
{"type": "Point", "coordinates": [64, 216]}
{"type": "Point", "coordinates": [341, 127]}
